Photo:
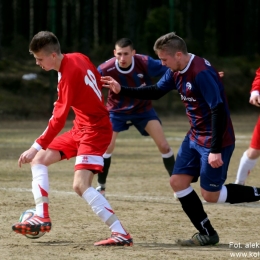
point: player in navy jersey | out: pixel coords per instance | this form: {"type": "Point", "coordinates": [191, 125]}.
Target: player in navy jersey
{"type": "Point", "coordinates": [207, 147]}
{"type": "Point", "coordinates": [131, 69]}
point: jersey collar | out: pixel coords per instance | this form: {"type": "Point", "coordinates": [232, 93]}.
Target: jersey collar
{"type": "Point", "coordinates": [188, 65]}
{"type": "Point", "coordinates": [125, 71]}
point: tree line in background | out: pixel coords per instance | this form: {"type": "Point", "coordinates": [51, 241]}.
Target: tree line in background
{"type": "Point", "coordinates": [225, 28]}
{"type": "Point", "coordinates": [226, 32]}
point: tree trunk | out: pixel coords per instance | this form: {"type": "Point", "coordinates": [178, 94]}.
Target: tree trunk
{"type": "Point", "coordinates": [86, 27]}
{"type": "Point", "coordinates": [95, 36]}
{"type": "Point", "coordinates": [132, 19]}
{"type": "Point", "coordinates": [64, 21]}
{"type": "Point", "coordinates": [1, 29]}
{"type": "Point", "coordinates": [15, 18]}
{"type": "Point", "coordinates": [31, 11]}
{"type": "Point", "coordinates": [114, 32]}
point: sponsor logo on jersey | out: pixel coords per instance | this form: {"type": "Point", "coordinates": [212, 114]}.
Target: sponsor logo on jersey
{"type": "Point", "coordinates": [140, 75]}
{"type": "Point", "coordinates": [111, 69]}
{"type": "Point", "coordinates": [190, 99]}
{"type": "Point", "coordinates": [188, 85]}
{"type": "Point", "coordinates": [207, 62]}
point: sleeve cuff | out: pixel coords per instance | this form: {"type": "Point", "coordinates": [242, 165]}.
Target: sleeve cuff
{"type": "Point", "coordinates": [37, 146]}
{"type": "Point", "coordinates": [254, 93]}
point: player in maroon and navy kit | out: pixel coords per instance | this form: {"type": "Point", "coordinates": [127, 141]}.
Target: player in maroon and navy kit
{"type": "Point", "coordinates": [131, 69]}
{"type": "Point", "coordinates": [79, 88]}
{"type": "Point", "coordinates": [251, 155]}
{"type": "Point", "coordinates": [207, 147]}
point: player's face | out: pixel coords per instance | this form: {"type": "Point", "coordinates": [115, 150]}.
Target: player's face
{"type": "Point", "coordinates": [169, 60]}
{"type": "Point", "coordinates": [45, 60]}
{"type": "Point", "coordinates": [124, 56]}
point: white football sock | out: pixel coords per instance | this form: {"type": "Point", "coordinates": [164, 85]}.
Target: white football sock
{"type": "Point", "coordinates": [101, 207]}
{"type": "Point", "coordinates": [167, 155]}
{"type": "Point", "coordinates": [222, 195]}
{"type": "Point", "coordinates": [245, 166]}
{"type": "Point", "coordinates": [183, 193]}
{"type": "Point", "coordinates": [40, 189]}
{"type": "Point", "coordinates": [107, 155]}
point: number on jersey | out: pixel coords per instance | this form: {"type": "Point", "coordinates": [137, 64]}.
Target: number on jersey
{"type": "Point", "coordinates": [90, 80]}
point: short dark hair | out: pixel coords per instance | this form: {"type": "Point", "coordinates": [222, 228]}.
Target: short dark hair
{"type": "Point", "coordinates": [124, 42]}
{"type": "Point", "coordinates": [45, 41]}
{"type": "Point", "coordinates": [170, 43]}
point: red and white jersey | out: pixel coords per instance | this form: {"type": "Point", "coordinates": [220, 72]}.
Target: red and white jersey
{"type": "Point", "coordinates": [255, 90]}
{"type": "Point", "coordinates": [79, 88]}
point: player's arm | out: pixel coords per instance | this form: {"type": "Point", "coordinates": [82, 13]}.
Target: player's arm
{"type": "Point", "coordinates": [213, 98]}
{"type": "Point", "coordinates": [152, 92]}
{"type": "Point", "coordinates": [255, 90]}
{"type": "Point", "coordinates": [218, 121]}
{"type": "Point", "coordinates": [210, 91]}
{"type": "Point", "coordinates": [155, 67]}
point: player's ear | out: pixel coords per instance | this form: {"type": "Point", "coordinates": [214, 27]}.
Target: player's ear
{"type": "Point", "coordinates": [133, 52]}
{"type": "Point", "coordinates": [54, 55]}
{"type": "Point", "coordinates": [178, 54]}
{"type": "Point", "coordinates": [114, 52]}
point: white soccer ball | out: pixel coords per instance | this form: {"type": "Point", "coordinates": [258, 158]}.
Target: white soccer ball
{"type": "Point", "coordinates": [26, 215]}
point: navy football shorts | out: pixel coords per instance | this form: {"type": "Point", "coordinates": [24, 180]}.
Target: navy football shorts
{"type": "Point", "coordinates": [192, 159]}
{"type": "Point", "coordinates": [121, 122]}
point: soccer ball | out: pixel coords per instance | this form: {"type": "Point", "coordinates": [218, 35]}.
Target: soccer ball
{"type": "Point", "coordinates": [26, 215]}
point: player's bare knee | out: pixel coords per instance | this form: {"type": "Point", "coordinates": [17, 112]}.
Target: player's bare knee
{"type": "Point", "coordinates": [37, 160]}
{"type": "Point", "coordinates": [174, 183]}
{"type": "Point", "coordinates": [164, 148]}
{"type": "Point", "coordinates": [77, 189]}
{"type": "Point", "coordinates": [209, 197]}
{"type": "Point", "coordinates": [253, 153]}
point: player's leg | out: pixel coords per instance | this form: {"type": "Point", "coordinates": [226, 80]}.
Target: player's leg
{"type": "Point", "coordinates": [154, 129]}
{"type": "Point", "coordinates": [249, 157]}
{"type": "Point", "coordinates": [40, 189]}
{"type": "Point", "coordinates": [102, 177]}
{"type": "Point", "coordinates": [120, 122]}
{"type": "Point", "coordinates": [186, 170]}
{"type": "Point", "coordinates": [229, 193]}
{"type": "Point", "coordinates": [247, 163]}
{"type": "Point", "coordinates": [101, 207]}
{"type": "Point", "coordinates": [148, 123]}
{"type": "Point", "coordinates": [89, 160]}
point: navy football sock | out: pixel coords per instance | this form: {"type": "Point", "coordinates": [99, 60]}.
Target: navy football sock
{"type": "Point", "coordinates": [102, 177]}
{"type": "Point", "coordinates": [193, 207]}
{"type": "Point", "coordinates": [238, 193]}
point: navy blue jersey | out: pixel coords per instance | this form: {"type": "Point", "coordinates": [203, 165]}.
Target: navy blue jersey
{"type": "Point", "coordinates": [201, 90]}
{"type": "Point", "coordinates": [142, 70]}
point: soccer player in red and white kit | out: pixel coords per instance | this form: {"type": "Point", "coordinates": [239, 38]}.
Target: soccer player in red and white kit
{"type": "Point", "coordinates": [250, 156]}
{"type": "Point", "coordinates": [79, 88]}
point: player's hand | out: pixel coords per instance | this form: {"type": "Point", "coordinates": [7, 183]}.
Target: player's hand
{"type": "Point", "coordinates": [221, 74]}
{"type": "Point", "coordinates": [27, 156]}
{"type": "Point", "coordinates": [215, 160]}
{"type": "Point", "coordinates": [110, 83]}
{"type": "Point", "coordinates": [255, 100]}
